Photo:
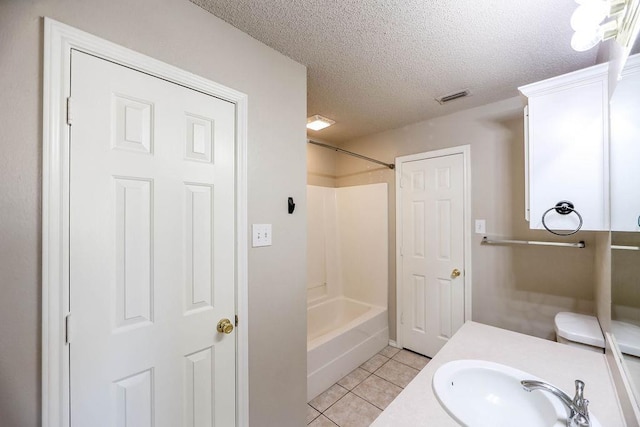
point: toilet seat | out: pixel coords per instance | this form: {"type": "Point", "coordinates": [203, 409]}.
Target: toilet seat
{"type": "Point", "coordinates": [584, 329]}
{"type": "Point", "coordinates": [579, 328]}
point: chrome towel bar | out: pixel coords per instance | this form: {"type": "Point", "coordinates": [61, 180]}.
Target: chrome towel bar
{"type": "Point", "coordinates": [486, 241]}
{"type": "Point", "coordinates": [626, 248]}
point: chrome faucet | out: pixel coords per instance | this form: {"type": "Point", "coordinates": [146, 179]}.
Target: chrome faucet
{"type": "Point", "coordinates": [578, 406]}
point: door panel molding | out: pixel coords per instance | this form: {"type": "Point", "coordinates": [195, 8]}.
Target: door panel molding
{"type": "Point", "coordinates": [59, 41]}
{"type": "Point", "coordinates": [465, 150]}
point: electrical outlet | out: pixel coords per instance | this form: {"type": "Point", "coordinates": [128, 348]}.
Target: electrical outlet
{"type": "Point", "coordinates": [481, 226]}
{"type": "Point", "coordinates": [261, 235]}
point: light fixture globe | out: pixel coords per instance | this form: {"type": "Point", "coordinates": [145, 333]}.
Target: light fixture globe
{"type": "Point", "coordinates": [589, 15]}
{"type": "Point", "coordinates": [598, 20]}
{"type": "Point", "coordinates": [585, 40]}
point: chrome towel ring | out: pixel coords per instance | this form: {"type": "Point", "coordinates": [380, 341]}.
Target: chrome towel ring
{"type": "Point", "coordinates": [563, 207]}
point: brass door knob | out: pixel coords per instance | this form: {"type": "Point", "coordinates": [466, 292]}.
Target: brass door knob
{"type": "Point", "coordinates": [225, 326]}
{"type": "Point", "coordinates": [455, 273]}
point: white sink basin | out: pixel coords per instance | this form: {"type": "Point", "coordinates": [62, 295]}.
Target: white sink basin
{"type": "Point", "coordinates": [480, 393]}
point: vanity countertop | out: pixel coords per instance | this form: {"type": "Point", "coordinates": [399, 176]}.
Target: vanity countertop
{"type": "Point", "coordinates": [558, 364]}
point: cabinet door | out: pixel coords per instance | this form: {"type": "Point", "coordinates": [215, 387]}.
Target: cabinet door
{"type": "Point", "coordinates": [625, 152]}
{"type": "Point", "coordinates": [567, 155]}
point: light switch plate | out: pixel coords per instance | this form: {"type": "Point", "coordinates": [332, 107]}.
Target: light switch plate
{"type": "Point", "coordinates": [261, 235]}
{"type": "Point", "coordinates": [481, 226]}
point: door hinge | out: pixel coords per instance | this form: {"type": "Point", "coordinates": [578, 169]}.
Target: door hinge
{"type": "Point", "coordinates": [402, 183]}
{"type": "Point", "coordinates": [69, 111]}
{"type": "Point", "coordinates": [402, 318]}
{"type": "Point", "coordinates": [68, 329]}
{"type": "Point", "coordinates": [236, 321]}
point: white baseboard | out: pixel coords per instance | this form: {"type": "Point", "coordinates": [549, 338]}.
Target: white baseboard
{"type": "Point", "coordinates": [392, 343]}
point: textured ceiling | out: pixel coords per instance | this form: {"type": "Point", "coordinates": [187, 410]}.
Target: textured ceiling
{"type": "Point", "coordinates": [375, 65]}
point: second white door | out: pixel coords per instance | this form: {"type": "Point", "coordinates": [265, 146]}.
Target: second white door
{"type": "Point", "coordinates": [432, 251]}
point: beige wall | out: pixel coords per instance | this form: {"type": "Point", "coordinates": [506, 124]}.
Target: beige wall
{"type": "Point", "coordinates": [625, 278]}
{"type": "Point", "coordinates": [181, 34]}
{"type": "Point", "coordinates": [603, 276]}
{"type": "Point", "coordinates": [321, 166]}
{"type": "Point", "coordinates": [517, 288]}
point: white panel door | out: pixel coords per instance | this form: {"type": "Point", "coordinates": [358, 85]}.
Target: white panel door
{"type": "Point", "coordinates": [152, 266]}
{"type": "Point", "coordinates": [432, 248]}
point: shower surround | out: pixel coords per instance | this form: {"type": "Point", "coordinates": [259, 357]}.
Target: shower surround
{"type": "Point", "coordinates": [347, 280]}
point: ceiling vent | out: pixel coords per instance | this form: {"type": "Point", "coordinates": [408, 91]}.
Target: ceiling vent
{"type": "Point", "coordinates": [451, 96]}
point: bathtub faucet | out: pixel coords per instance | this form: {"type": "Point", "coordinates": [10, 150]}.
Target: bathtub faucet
{"type": "Point", "coordinates": [578, 406]}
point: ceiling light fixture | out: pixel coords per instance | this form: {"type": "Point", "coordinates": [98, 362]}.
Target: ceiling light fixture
{"type": "Point", "coordinates": [597, 20]}
{"type": "Point", "coordinates": [318, 122]}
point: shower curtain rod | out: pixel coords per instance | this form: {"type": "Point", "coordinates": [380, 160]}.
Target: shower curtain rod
{"type": "Point", "coordinates": [360, 156]}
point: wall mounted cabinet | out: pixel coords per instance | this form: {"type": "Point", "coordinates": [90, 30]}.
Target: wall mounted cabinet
{"type": "Point", "coordinates": [567, 149]}
{"type": "Point", "coordinates": [625, 150]}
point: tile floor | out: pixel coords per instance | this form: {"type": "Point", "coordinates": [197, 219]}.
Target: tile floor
{"type": "Point", "coordinates": [358, 398]}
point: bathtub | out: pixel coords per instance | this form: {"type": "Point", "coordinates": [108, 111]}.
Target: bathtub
{"type": "Point", "coordinates": [341, 335]}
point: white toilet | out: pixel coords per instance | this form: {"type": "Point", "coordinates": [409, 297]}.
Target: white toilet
{"type": "Point", "coordinates": [579, 330]}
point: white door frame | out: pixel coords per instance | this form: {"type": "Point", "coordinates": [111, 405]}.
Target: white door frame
{"type": "Point", "coordinates": [465, 150]}
{"type": "Point", "coordinates": [59, 41]}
